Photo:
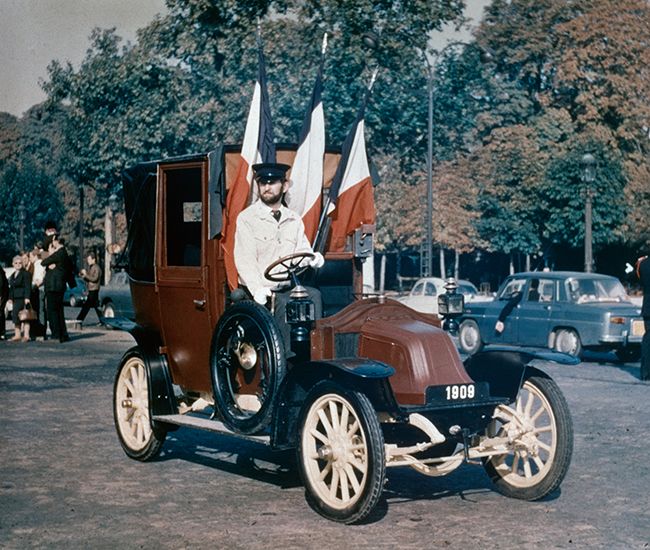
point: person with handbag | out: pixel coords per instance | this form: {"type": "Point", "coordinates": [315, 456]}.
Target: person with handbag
{"type": "Point", "coordinates": [20, 288]}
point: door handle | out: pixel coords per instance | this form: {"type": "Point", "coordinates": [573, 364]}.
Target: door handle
{"type": "Point", "coordinates": [199, 304]}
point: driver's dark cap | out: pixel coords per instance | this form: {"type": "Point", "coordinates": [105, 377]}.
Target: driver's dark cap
{"type": "Point", "coordinates": [270, 171]}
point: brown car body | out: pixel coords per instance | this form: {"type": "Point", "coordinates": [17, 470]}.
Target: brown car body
{"type": "Point", "coordinates": [377, 384]}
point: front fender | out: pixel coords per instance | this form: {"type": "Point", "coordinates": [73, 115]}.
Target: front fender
{"type": "Point", "coordinates": [364, 375]}
{"type": "Point", "coordinates": [504, 367]}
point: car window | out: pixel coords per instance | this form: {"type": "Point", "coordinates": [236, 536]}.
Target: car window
{"type": "Point", "coordinates": [430, 289]}
{"type": "Point", "coordinates": [546, 290]}
{"type": "Point", "coordinates": [183, 217]}
{"type": "Point", "coordinates": [417, 289]}
{"type": "Point", "coordinates": [513, 285]}
{"type": "Point", "coordinates": [586, 290]}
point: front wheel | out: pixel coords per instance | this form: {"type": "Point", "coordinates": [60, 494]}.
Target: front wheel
{"type": "Point", "coordinates": [131, 409]}
{"type": "Point", "coordinates": [539, 430]}
{"type": "Point", "coordinates": [469, 337]}
{"type": "Point", "coordinates": [341, 453]}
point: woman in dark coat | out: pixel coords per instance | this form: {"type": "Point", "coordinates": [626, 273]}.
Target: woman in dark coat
{"type": "Point", "coordinates": [20, 289]}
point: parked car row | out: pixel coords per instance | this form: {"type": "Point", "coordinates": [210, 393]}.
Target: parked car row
{"type": "Point", "coordinates": [424, 294]}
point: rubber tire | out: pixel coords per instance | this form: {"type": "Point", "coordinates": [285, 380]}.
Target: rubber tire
{"type": "Point", "coordinates": [630, 354]}
{"type": "Point", "coordinates": [156, 437]}
{"type": "Point", "coordinates": [232, 416]}
{"type": "Point", "coordinates": [561, 458]}
{"type": "Point", "coordinates": [373, 482]}
{"type": "Point", "coordinates": [475, 344]}
{"type": "Point", "coordinates": [563, 333]}
{"type": "Point", "coordinates": [108, 310]}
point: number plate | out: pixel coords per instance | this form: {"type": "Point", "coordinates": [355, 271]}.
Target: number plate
{"type": "Point", "coordinates": [638, 329]}
{"type": "Point", "coordinates": [460, 392]}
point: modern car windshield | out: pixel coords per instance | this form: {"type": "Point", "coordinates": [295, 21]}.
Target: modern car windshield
{"type": "Point", "coordinates": [583, 291]}
{"type": "Point", "coordinates": [467, 289]}
{"type": "Point", "coordinates": [514, 285]}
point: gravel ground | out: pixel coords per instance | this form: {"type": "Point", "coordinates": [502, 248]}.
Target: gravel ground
{"type": "Point", "coordinates": [66, 483]}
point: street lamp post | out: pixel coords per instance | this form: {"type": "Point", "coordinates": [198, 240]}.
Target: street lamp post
{"type": "Point", "coordinates": [109, 235]}
{"type": "Point", "coordinates": [21, 219]}
{"type": "Point", "coordinates": [427, 265]}
{"type": "Point", "coordinates": [588, 176]}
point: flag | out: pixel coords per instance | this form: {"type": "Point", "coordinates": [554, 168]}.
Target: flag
{"type": "Point", "coordinates": [304, 195]}
{"type": "Point", "coordinates": [258, 146]}
{"type": "Point", "coordinates": [351, 200]}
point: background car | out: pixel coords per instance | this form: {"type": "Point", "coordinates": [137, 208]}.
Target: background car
{"type": "Point", "coordinates": [565, 311]}
{"type": "Point", "coordinates": [115, 298]}
{"type": "Point", "coordinates": [77, 296]}
{"type": "Point", "coordinates": [424, 294]}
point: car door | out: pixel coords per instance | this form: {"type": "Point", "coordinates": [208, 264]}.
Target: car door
{"type": "Point", "coordinates": [534, 312]}
{"type": "Point", "coordinates": [182, 273]}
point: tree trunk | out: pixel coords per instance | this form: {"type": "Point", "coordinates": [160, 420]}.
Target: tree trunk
{"type": "Point", "coordinates": [527, 262]}
{"type": "Point", "coordinates": [512, 263]}
{"type": "Point", "coordinates": [443, 269]}
{"type": "Point", "coordinates": [382, 274]}
{"type": "Point", "coordinates": [456, 265]}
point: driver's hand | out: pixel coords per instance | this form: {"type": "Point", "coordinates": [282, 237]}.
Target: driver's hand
{"type": "Point", "coordinates": [317, 261]}
{"type": "Point", "coordinates": [498, 328]}
{"type": "Point", "coordinates": [261, 295]}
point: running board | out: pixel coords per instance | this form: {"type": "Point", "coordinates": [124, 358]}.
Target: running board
{"type": "Point", "coordinates": [204, 423]}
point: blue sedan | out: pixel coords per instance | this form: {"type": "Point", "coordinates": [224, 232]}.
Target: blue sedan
{"type": "Point", "coordinates": [565, 311]}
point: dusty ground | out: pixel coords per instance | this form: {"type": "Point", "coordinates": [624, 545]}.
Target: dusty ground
{"type": "Point", "coordinates": [66, 483]}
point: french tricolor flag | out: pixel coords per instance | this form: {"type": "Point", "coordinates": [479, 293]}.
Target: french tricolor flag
{"type": "Point", "coordinates": [351, 196]}
{"type": "Point", "coordinates": [258, 146]}
{"type": "Point", "coordinates": [304, 195]}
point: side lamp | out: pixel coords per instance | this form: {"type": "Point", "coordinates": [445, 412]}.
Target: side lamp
{"type": "Point", "coordinates": [451, 305]}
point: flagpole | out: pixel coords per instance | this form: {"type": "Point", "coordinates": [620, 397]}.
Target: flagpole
{"type": "Point", "coordinates": [325, 221]}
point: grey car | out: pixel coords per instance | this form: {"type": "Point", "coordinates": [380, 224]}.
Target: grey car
{"type": "Point", "coordinates": [565, 311]}
{"type": "Point", "coordinates": [115, 298]}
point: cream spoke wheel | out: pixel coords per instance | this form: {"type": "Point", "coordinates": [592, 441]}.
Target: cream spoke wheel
{"type": "Point", "coordinates": [133, 404]}
{"type": "Point", "coordinates": [540, 432]}
{"type": "Point", "coordinates": [131, 409]}
{"type": "Point", "coordinates": [341, 453]}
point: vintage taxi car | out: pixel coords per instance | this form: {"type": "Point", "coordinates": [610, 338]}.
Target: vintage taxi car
{"type": "Point", "coordinates": [563, 310]}
{"type": "Point", "coordinates": [373, 384]}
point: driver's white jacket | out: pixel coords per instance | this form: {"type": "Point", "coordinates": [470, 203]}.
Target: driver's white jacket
{"type": "Point", "coordinates": [260, 240]}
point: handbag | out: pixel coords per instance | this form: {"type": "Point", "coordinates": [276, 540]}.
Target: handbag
{"type": "Point", "coordinates": [27, 314]}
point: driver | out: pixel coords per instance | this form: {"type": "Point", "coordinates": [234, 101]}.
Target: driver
{"type": "Point", "coordinates": [266, 231]}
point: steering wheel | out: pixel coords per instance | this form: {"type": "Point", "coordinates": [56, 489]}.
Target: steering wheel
{"type": "Point", "coordinates": [289, 266]}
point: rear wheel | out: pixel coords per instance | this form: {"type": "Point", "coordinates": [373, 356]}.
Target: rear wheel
{"type": "Point", "coordinates": [540, 432]}
{"type": "Point", "coordinates": [108, 310]}
{"type": "Point", "coordinates": [568, 341]}
{"type": "Point", "coordinates": [469, 337]}
{"type": "Point", "coordinates": [131, 409]}
{"type": "Point", "coordinates": [341, 453]}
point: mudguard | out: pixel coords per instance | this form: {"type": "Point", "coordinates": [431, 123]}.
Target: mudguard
{"type": "Point", "coordinates": [504, 367]}
{"type": "Point", "coordinates": [364, 375]}
{"type": "Point", "coordinates": [161, 391]}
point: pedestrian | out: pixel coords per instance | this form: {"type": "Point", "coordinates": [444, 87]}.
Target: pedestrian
{"type": "Point", "coordinates": [92, 276]}
{"type": "Point", "coordinates": [643, 273]}
{"type": "Point", "coordinates": [35, 267]}
{"type": "Point", "coordinates": [20, 289]}
{"type": "Point", "coordinates": [4, 297]}
{"type": "Point", "coordinates": [55, 279]}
